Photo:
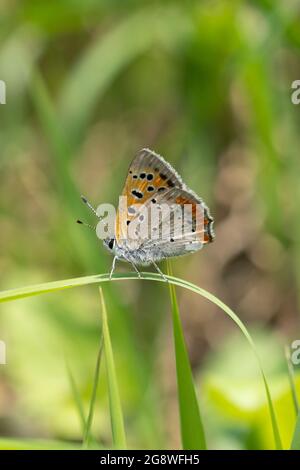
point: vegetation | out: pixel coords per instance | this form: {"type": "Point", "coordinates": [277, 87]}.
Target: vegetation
{"type": "Point", "coordinates": [208, 85]}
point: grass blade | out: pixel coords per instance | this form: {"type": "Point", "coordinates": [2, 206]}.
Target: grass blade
{"type": "Point", "coordinates": [292, 379]}
{"type": "Point", "coordinates": [23, 292]}
{"type": "Point", "coordinates": [79, 406]}
{"type": "Point", "coordinates": [87, 437]}
{"type": "Point", "coordinates": [60, 149]}
{"type": "Point", "coordinates": [97, 68]}
{"type": "Point", "coordinates": [192, 432]}
{"type": "Point", "coordinates": [295, 445]}
{"type": "Point", "coordinates": [76, 396]}
{"type": "Point", "coordinates": [7, 443]}
{"type": "Point", "coordinates": [116, 414]}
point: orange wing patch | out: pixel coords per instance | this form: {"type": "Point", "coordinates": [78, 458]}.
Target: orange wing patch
{"type": "Point", "coordinates": [208, 235]}
{"type": "Point", "coordinates": [139, 188]}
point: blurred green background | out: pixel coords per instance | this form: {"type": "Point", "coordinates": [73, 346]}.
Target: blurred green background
{"type": "Point", "coordinates": [208, 85]}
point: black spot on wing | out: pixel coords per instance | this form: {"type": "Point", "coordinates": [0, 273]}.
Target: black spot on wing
{"type": "Point", "coordinates": [137, 194]}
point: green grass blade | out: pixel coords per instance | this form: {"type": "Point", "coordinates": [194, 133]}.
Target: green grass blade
{"type": "Point", "coordinates": [76, 396]}
{"type": "Point", "coordinates": [59, 145]}
{"type": "Point", "coordinates": [295, 445]}
{"type": "Point", "coordinates": [97, 68]}
{"type": "Point", "coordinates": [23, 292]}
{"type": "Point", "coordinates": [276, 434]}
{"type": "Point", "coordinates": [51, 123]}
{"type": "Point", "coordinates": [116, 414]}
{"type": "Point", "coordinates": [87, 437]}
{"type": "Point", "coordinates": [79, 406]}
{"type": "Point", "coordinates": [292, 379]}
{"type": "Point", "coordinates": [192, 432]}
{"type": "Point", "coordinates": [35, 444]}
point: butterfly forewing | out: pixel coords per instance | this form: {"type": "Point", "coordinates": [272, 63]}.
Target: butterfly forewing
{"type": "Point", "coordinates": [148, 174]}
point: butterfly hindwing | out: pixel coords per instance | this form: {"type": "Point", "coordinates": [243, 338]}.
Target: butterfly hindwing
{"type": "Point", "coordinates": [187, 229]}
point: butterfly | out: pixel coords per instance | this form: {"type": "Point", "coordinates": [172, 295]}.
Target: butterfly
{"type": "Point", "coordinates": [151, 185]}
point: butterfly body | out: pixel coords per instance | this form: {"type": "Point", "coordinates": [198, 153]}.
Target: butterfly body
{"type": "Point", "coordinates": [140, 256]}
{"type": "Point", "coordinates": [161, 216]}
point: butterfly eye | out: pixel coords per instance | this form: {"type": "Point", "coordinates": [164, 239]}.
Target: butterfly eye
{"type": "Point", "coordinates": [111, 243]}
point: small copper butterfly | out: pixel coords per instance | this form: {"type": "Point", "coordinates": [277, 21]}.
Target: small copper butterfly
{"type": "Point", "coordinates": [162, 217]}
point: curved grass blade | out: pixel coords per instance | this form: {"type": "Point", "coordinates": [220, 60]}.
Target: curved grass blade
{"type": "Point", "coordinates": [116, 414]}
{"type": "Point", "coordinates": [23, 292]}
{"type": "Point", "coordinates": [191, 427]}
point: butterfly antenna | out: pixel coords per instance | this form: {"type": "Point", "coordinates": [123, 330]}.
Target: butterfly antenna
{"type": "Point", "coordinates": [84, 199]}
{"type": "Point", "coordinates": [85, 224]}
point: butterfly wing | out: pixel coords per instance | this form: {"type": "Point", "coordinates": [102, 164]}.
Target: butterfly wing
{"type": "Point", "coordinates": [148, 175]}
{"type": "Point", "coordinates": [185, 231]}
{"type": "Point", "coordinates": [151, 181]}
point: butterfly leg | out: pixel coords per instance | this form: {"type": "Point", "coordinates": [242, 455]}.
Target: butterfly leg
{"type": "Point", "coordinates": [136, 269]}
{"type": "Point", "coordinates": [160, 271]}
{"type": "Point", "coordinates": [112, 267]}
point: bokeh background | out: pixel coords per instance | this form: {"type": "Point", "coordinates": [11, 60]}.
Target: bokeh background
{"type": "Point", "coordinates": [208, 85]}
